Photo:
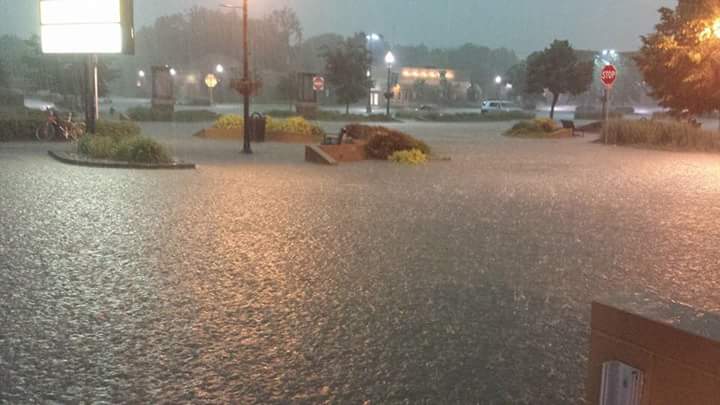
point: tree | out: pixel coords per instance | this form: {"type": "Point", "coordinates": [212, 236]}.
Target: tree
{"type": "Point", "coordinates": [346, 69]}
{"type": "Point", "coordinates": [4, 80]}
{"type": "Point", "coordinates": [517, 76]}
{"type": "Point", "coordinates": [680, 61]}
{"type": "Point", "coordinates": [557, 70]}
{"type": "Point", "coordinates": [287, 88]}
{"type": "Point", "coordinates": [286, 21]}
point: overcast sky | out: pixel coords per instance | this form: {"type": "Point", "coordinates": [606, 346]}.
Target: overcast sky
{"type": "Point", "coordinates": [522, 25]}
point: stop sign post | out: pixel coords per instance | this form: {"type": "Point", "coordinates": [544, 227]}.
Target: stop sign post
{"type": "Point", "coordinates": [608, 76]}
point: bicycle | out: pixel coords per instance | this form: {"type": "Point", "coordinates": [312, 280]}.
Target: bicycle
{"type": "Point", "coordinates": [54, 126]}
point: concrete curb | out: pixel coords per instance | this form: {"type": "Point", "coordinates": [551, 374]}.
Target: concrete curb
{"type": "Point", "coordinates": [70, 159]}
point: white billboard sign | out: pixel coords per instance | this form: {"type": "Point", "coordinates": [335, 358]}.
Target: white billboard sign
{"type": "Point", "coordinates": [86, 26]}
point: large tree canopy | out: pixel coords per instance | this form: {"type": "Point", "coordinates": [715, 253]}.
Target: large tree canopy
{"type": "Point", "coordinates": [4, 82]}
{"type": "Point", "coordinates": [346, 69]}
{"type": "Point", "coordinates": [557, 70]}
{"type": "Point", "coordinates": [681, 60]}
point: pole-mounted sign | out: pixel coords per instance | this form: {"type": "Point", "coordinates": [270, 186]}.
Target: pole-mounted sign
{"type": "Point", "coordinates": [608, 76]}
{"type": "Point", "coordinates": [87, 26]}
{"type": "Point", "coordinates": [319, 83]}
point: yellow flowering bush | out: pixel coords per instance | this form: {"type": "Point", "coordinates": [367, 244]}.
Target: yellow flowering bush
{"type": "Point", "coordinates": [409, 157]}
{"type": "Point", "coordinates": [230, 121]}
{"type": "Point", "coordinates": [546, 124]}
{"type": "Point", "coordinates": [292, 125]}
{"type": "Point", "coordinates": [537, 127]}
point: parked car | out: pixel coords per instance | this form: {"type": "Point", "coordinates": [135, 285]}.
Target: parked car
{"type": "Point", "coordinates": [489, 106]}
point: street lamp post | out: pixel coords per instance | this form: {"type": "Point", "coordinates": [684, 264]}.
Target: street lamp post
{"type": "Point", "coordinates": [389, 61]}
{"type": "Point", "coordinates": [370, 39]}
{"type": "Point", "coordinates": [246, 77]}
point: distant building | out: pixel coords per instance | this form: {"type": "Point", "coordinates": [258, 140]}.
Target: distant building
{"type": "Point", "coordinates": [416, 85]}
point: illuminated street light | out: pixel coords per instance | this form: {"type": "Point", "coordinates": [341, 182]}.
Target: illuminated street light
{"type": "Point", "coordinates": [173, 72]}
{"type": "Point", "coordinates": [371, 39]}
{"type": "Point", "coordinates": [509, 86]}
{"type": "Point", "coordinates": [219, 68]}
{"type": "Point", "coordinates": [716, 28]}
{"type": "Point", "coordinates": [141, 73]}
{"type": "Point", "coordinates": [498, 80]}
{"type": "Point", "coordinates": [389, 61]}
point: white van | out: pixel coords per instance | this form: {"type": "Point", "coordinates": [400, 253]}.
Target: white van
{"type": "Point", "coordinates": [498, 106]}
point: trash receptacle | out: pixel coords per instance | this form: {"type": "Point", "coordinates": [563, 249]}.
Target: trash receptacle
{"type": "Point", "coordinates": [257, 127]}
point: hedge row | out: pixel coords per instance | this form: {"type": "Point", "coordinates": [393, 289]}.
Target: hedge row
{"type": "Point", "coordinates": [465, 116]}
{"type": "Point", "coordinates": [136, 149]}
{"type": "Point", "coordinates": [22, 128]}
{"type": "Point", "coordinates": [19, 128]}
{"type": "Point", "coordinates": [148, 114]}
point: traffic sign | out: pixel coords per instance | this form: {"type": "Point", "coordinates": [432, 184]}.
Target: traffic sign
{"type": "Point", "coordinates": [319, 83]}
{"type": "Point", "coordinates": [211, 81]}
{"type": "Point", "coordinates": [608, 75]}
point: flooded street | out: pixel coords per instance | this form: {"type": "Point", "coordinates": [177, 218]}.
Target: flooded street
{"type": "Point", "coordinates": [268, 280]}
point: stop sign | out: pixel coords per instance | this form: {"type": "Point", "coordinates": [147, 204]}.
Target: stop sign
{"type": "Point", "coordinates": [318, 83]}
{"type": "Point", "coordinates": [608, 75]}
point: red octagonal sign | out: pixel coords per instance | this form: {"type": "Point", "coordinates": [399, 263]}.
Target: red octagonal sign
{"type": "Point", "coordinates": [319, 83]}
{"type": "Point", "coordinates": [609, 75]}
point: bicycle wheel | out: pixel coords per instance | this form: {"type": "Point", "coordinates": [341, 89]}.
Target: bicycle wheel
{"type": "Point", "coordinates": [45, 132]}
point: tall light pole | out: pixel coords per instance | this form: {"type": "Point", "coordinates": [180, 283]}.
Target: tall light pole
{"type": "Point", "coordinates": [371, 39]}
{"type": "Point", "coordinates": [498, 82]}
{"type": "Point", "coordinates": [247, 88]}
{"type": "Point", "coordinates": [389, 61]}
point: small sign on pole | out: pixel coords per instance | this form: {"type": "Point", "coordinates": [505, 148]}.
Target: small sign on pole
{"type": "Point", "coordinates": [211, 81]}
{"type": "Point", "coordinates": [319, 83]}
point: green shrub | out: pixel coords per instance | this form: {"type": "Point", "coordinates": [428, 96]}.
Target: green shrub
{"type": "Point", "coordinates": [673, 134]}
{"type": "Point", "coordinates": [148, 114]}
{"type": "Point", "coordinates": [383, 142]}
{"type": "Point", "coordinates": [136, 149]}
{"type": "Point", "coordinates": [466, 116]}
{"type": "Point", "coordinates": [409, 157]}
{"type": "Point", "coordinates": [117, 129]}
{"type": "Point", "coordinates": [194, 116]}
{"type": "Point", "coordinates": [144, 150]}
{"type": "Point", "coordinates": [98, 146]}
{"type": "Point", "coordinates": [333, 116]}
{"type": "Point", "coordinates": [537, 127]}
{"type": "Point", "coordinates": [14, 128]}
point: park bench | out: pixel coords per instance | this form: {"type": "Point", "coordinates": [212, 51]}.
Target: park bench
{"type": "Point", "coordinates": [336, 139]}
{"type": "Point", "coordinates": [567, 124]}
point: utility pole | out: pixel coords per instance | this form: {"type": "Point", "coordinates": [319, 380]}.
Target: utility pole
{"type": "Point", "coordinates": [246, 79]}
{"type": "Point", "coordinates": [246, 86]}
{"type": "Point", "coordinates": [92, 104]}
